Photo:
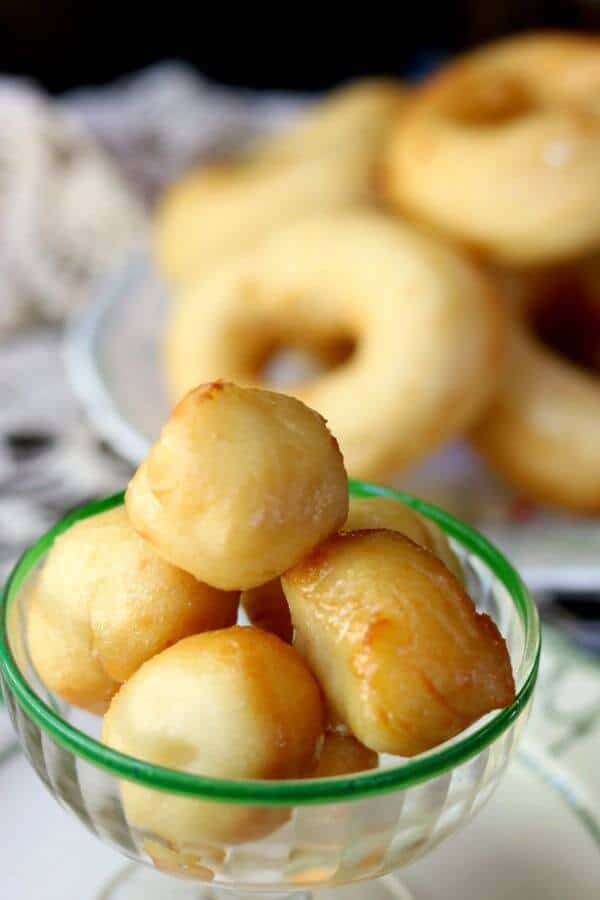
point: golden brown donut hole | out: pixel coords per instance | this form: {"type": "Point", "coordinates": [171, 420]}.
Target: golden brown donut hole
{"type": "Point", "coordinates": [402, 656]}
{"type": "Point", "coordinates": [104, 602]}
{"type": "Point", "coordinates": [240, 485]}
{"type": "Point", "coordinates": [342, 754]}
{"type": "Point", "coordinates": [267, 608]}
{"type": "Point", "coordinates": [224, 704]}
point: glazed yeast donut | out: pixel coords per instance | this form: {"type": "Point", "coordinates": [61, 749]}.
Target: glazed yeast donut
{"type": "Point", "coordinates": [368, 513]}
{"type": "Point", "coordinates": [240, 485]}
{"type": "Point", "coordinates": [501, 150]}
{"type": "Point", "coordinates": [223, 704]}
{"type": "Point", "coordinates": [403, 658]}
{"type": "Point", "coordinates": [342, 754]}
{"type": "Point", "coordinates": [423, 325]}
{"type": "Point", "coordinates": [267, 607]}
{"type": "Point", "coordinates": [357, 115]}
{"type": "Point", "coordinates": [323, 162]}
{"type": "Point", "coordinates": [104, 602]}
{"type": "Point", "coordinates": [542, 431]}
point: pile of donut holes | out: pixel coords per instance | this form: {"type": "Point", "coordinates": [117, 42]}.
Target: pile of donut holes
{"type": "Point", "coordinates": [363, 638]}
{"type": "Point", "coordinates": [414, 263]}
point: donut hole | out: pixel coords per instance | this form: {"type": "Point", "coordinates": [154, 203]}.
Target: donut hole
{"type": "Point", "coordinates": [296, 361]}
{"type": "Point", "coordinates": [489, 102]}
{"type": "Point", "coordinates": [565, 317]}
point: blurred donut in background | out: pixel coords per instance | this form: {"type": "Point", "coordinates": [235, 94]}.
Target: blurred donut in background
{"type": "Point", "coordinates": [500, 150]}
{"type": "Point", "coordinates": [321, 163]}
{"type": "Point", "coordinates": [289, 275]}
{"type": "Point", "coordinates": [407, 331]}
{"type": "Point", "coordinates": [542, 432]}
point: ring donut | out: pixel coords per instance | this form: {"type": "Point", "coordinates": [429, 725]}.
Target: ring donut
{"type": "Point", "coordinates": [542, 432]}
{"type": "Point", "coordinates": [419, 324]}
{"type": "Point", "coordinates": [358, 114]}
{"type": "Point", "coordinates": [501, 150]}
{"type": "Point", "coordinates": [322, 163]}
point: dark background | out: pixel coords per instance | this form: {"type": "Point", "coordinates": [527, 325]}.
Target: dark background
{"type": "Point", "coordinates": [65, 43]}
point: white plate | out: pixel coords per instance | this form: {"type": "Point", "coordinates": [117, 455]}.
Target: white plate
{"type": "Point", "coordinates": [114, 365]}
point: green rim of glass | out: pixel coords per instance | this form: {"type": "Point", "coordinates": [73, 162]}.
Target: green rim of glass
{"type": "Point", "coordinates": [293, 792]}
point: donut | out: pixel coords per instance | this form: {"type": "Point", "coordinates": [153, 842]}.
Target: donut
{"type": "Point", "coordinates": [105, 602]}
{"type": "Point", "coordinates": [420, 325]}
{"type": "Point", "coordinates": [342, 754]}
{"type": "Point", "coordinates": [542, 430]}
{"type": "Point", "coordinates": [266, 607]}
{"type": "Point", "coordinates": [366, 513]}
{"type": "Point", "coordinates": [63, 661]}
{"type": "Point", "coordinates": [223, 704]}
{"type": "Point", "coordinates": [322, 163]}
{"type": "Point", "coordinates": [356, 114]}
{"type": "Point", "coordinates": [402, 656]}
{"type": "Point", "coordinates": [241, 484]}
{"type": "Point", "coordinates": [501, 150]}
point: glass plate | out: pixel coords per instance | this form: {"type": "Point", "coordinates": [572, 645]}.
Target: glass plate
{"type": "Point", "coordinates": [113, 361]}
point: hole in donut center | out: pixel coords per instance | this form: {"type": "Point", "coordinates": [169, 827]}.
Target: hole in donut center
{"type": "Point", "coordinates": [566, 318]}
{"type": "Point", "coordinates": [284, 363]}
{"type": "Point", "coordinates": [489, 101]}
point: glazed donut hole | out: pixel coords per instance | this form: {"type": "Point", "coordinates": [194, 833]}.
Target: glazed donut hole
{"type": "Point", "coordinates": [372, 513]}
{"type": "Point", "coordinates": [342, 754]}
{"type": "Point", "coordinates": [404, 659]}
{"type": "Point", "coordinates": [223, 704]}
{"type": "Point", "coordinates": [241, 484]}
{"type": "Point", "coordinates": [104, 602]}
{"type": "Point", "coordinates": [367, 642]}
{"type": "Point", "coordinates": [267, 607]}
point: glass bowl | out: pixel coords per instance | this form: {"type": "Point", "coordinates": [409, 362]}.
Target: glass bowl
{"type": "Point", "coordinates": [326, 833]}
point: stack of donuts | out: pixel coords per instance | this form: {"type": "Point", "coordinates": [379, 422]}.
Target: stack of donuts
{"type": "Point", "coordinates": [363, 639]}
{"type": "Point", "coordinates": [415, 264]}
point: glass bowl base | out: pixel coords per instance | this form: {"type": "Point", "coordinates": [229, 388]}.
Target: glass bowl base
{"type": "Point", "coordinates": [140, 883]}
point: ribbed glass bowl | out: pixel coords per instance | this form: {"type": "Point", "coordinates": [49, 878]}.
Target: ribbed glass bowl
{"type": "Point", "coordinates": [331, 832]}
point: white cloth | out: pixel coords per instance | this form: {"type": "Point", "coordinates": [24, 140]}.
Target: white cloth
{"type": "Point", "coordinates": [76, 175]}
{"type": "Point", "coordinates": [64, 208]}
